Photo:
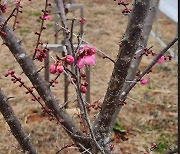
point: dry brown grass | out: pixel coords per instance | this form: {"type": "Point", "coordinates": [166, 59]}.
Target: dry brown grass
{"type": "Point", "coordinates": [156, 103]}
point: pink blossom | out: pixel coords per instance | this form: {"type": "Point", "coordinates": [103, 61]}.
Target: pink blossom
{"type": "Point", "coordinates": [143, 81]}
{"type": "Point", "coordinates": [89, 60]}
{"type": "Point", "coordinates": [46, 17]}
{"type": "Point", "coordinates": [3, 8]}
{"type": "Point", "coordinates": [82, 21]}
{"type": "Point", "coordinates": [87, 56]}
{"type": "Point", "coordinates": [160, 60]}
{"type": "Point", "coordinates": [88, 50]}
{"type": "Point", "coordinates": [69, 59]}
{"type": "Point", "coordinates": [59, 69]}
{"type": "Point", "coordinates": [83, 89]}
{"type": "Point", "coordinates": [52, 69]}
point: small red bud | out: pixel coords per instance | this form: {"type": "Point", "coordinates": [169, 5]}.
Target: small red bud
{"type": "Point", "coordinates": [83, 89]}
{"type": "Point", "coordinates": [85, 84]}
{"type": "Point", "coordinates": [83, 75]}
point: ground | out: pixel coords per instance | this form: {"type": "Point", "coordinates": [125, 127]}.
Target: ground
{"type": "Point", "coordinates": [150, 115]}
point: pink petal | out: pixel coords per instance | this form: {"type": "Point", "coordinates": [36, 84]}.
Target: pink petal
{"type": "Point", "coordinates": [85, 47]}
{"type": "Point", "coordinates": [160, 60]}
{"type": "Point", "coordinates": [93, 48]}
{"type": "Point", "coordinates": [60, 69]}
{"type": "Point", "coordinates": [80, 51]}
{"type": "Point", "coordinates": [52, 69]}
{"type": "Point", "coordinates": [80, 63]}
{"type": "Point", "coordinates": [89, 60]}
{"type": "Point", "coordinates": [143, 81]}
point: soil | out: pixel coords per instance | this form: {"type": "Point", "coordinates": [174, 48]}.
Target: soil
{"type": "Point", "coordinates": [150, 115]}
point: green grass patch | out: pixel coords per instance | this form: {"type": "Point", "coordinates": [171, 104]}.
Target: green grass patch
{"type": "Point", "coordinates": [151, 127]}
{"type": "Point", "coordinates": [24, 31]}
{"type": "Point", "coordinates": [119, 127]}
{"type": "Point", "coordinates": [34, 13]}
{"type": "Point", "coordinates": [48, 25]}
{"type": "Point", "coordinates": [165, 142]}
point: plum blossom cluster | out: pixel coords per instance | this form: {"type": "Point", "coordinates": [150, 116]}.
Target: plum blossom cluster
{"type": "Point", "coordinates": [30, 90]}
{"type": "Point", "coordinates": [82, 123]}
{"type": "Point", "coordinates": [3, 8]}
{"type": "Point", "coordinates": [86, 56]}
{"type": "Point", "coordinates": [126, 10]}
{"type": "Point", "coordinates": [84, 84]}
{"type": "Point", "coordinates": [16, 13]}
{"type": "Point", "coordinates": [45, 17]}
{"type": "Point", "coordinates": [38, 54]}
{"type": "Point", "coordinates": [143, 81]}
{"type": "Point", "coordinates": [57, 67]}
{"type": "Point", "coordinates": [147, 52]}
{"type": "Point", "coordinates": [83, 88]}
{"type": "Point", "coordinates": [95, 105]}
{"type": "Point", "coordinates": [41, 53]}
{"type": "Point", "coordinates": [82, 20]}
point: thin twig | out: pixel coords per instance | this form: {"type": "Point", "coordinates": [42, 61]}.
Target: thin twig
{"type": "Point", "coordinates": [65, 147]}
{"type": "Point", "coordinates": [146, 70]}
{"type": "Point", "coordinates": [100, 51]}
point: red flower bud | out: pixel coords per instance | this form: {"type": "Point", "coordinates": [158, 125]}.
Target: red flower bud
{"type": "Point", "coordinates": [69, 59]}
{"type": "Point", "coordinates": [52, 69]}
{"type": "Point", "coordinates": [60, 69]}
{"type": "Point", "coordinates": [83, 89]}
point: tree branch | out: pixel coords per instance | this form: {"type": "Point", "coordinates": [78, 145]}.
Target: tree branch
{"type": "Point", "coordinates": [146, 70]}
{"type": "Point", "coordinates": [69, 45]}
{"type": "Point", "coordinates": [40, 84]}
{"type": "Point", "coordinates": [15, 125]}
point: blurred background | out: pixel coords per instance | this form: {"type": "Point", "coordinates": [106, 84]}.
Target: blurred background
{"type": "Point", "coordinates": [150, 115]}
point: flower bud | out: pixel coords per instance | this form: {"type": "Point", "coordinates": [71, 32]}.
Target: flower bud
{"type": "Point", "coordinates": [69, 59]}
{"type": "Point", "coordinates": [52, 69]}
{"type": "Point", "coordinates": [83, 89]}
{"type": "Point", "coordinates": [143, 81]}
{"type": "Point", "coordinates": [60, 69]}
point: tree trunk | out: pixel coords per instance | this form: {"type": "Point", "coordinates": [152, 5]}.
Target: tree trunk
{"type": "Point", "coordinates": [143, 41]}
{"type": "Point", "coordinates": [142, 44]}
{"type": "Point", "coordinates": [130, 43]}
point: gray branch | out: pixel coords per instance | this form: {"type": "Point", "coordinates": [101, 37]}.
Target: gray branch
{"type": "Point", "coordinates": [15, 125]}
{"type": "Point", "coordinates": [146, 70]}
{"type": "Point", "coordinates": [40, 84]}
{"type": "Point", "coordinates": [82, 103]}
